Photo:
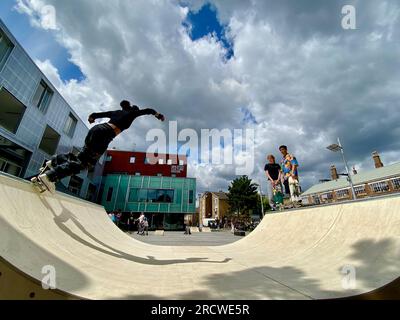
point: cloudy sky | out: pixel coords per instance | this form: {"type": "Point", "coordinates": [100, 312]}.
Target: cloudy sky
{"type": "Point", "coordinates": [286, 69]}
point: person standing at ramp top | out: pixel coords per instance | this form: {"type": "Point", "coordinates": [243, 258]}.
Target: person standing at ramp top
{"type": "Point", "coordinates": [274, 175]}
{"type": "Point", "coordinates": [290, 166]}
{"type": "Point", "coordinates": [96, 143]}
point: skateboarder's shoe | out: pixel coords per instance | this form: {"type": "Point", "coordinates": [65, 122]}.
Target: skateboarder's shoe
{"type": "Point", "coordinates": [48, 166]}
{"type": "Point", "coordinates": [45, 180]}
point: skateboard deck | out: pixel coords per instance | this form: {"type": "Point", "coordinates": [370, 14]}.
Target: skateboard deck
{"type": "Point", "coordinates": [39, 184]}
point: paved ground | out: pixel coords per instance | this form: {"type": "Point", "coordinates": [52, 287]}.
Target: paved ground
{"type": "Point", "coordinates": [196, 239]}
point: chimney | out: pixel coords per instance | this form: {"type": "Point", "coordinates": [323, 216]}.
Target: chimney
{"type": "Point", "coordinates": [334, 173]}
{"type": "Point", "coordinates": [377, 160]}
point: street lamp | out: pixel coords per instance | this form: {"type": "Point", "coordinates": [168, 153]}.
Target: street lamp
{"type": "Point", "coordinates": [339, 148]}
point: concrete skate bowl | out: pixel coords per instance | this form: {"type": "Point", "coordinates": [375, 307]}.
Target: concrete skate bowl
{"type": "Point", "coordinates": [331, 252]}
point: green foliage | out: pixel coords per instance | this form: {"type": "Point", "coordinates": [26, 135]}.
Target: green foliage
{"type": "Point", "coordinates": [242, 198]}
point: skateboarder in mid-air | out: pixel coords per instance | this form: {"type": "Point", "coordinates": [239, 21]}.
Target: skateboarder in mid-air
{"type": "Point", "coordinates": [96, 144]}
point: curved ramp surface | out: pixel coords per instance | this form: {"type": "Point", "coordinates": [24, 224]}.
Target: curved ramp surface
{"type": "Point", "coordinates": [302, 254]}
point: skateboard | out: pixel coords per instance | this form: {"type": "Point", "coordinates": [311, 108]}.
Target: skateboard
{"type": "Point", "coordinates": [297, 193]}
{"type": "Point", "coordinates": [39, 184]}
{"type": "Point", "coordinates": [278, 198]}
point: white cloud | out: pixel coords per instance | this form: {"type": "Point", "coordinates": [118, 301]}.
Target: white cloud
{"type": "Point", "coordinates": [304, 79]}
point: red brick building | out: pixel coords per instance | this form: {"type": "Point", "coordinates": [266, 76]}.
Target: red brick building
{"type": "Point", "coordinates": [141, 164]}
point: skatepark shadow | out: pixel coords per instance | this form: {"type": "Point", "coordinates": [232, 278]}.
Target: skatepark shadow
{"type": "Point", "coordinates": [377, 266]}
{"type": "Point", "coordinates": [374, 262]}
{"type": "Point", "coordinates": [22, 247]}
{"type": "Point", "coordinates": [66, 215]}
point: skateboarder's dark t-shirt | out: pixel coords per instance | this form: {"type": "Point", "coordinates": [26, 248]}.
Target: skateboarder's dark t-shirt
{"type": "Point", "coordinates": [273, 170]}
{"type": "Point", "coordinates": [123, 118]}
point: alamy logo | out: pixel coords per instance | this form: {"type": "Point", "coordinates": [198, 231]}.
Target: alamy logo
{"type": "Point", "coordinates": [212, 146]}
{"type": "Point", "coordinates": [349, 21]}
{"type": "Point", "coordinates": [49, 279]}
{"type": "Point", "coordinates": [349, 278]}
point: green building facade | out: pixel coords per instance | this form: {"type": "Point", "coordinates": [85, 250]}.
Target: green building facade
{"type": "Point", "coordinates": [164, 200]}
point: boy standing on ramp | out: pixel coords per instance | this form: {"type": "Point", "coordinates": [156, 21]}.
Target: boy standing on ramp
{"type": "Point", "coordinates": [96, 144]}
{"type": "Point", "coordinates": [290, 167]}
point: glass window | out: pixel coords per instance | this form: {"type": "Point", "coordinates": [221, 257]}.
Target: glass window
{"type": "Point", "coordinates": [343, 193]}
{"type": "Point", "coordinates": [181, 162]}
{"type": "Point", "coordinates": [42, 97]}
{"type": "Point", "coordinates": [6, 47]}
{"type": "Point", "coordinates": [110, 194]}
{"type": "Point", "coordinates": [109, 159]}
{"type": "Point", "coordinates": [161, 161]}
{"type": "Point", "coordinates": [75, 185]}
{"type": "Point", "coordinates": [316, 199]}
{"type": "Point", "coordinates": [133, 195]}
{"type": "Point", "coordinates": [91, 192]}
{"type": "Point", "coordinates": [50, 140]}
{"type": "Point", "coordinates": [191, 198]}
{"type": "Point", "coordinates": [169, 162]}
{"type": "Point", "coordinates": [137, 174]}
{"type": "Point", "coordinates": [70, 125]}
{"type": "Point", "coordinates": [327, 196]}
{"type": "Point", "coordinates": [132, 160]}
{"type": "Point", "coordinates": [396, 183]}
{"type": "Point", "coordinates": [142, 195]}
{"type": "Point", "coordinates": [168, 196]}
{"type": "Point", "coordinates": [152, 195]}
{"type": "Point", "coordinates": [380, 187]}
{"type": "Point", "coordinates": [360, 190]}
{"type": "Point", "coordinates": [11, 111]}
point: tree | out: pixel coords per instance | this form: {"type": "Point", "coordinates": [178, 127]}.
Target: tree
{"type": "Point", "coordinates": [242, 198]}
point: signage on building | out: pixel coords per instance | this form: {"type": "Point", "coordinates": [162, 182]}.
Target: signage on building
{"type": "Point", "coordinates": [177, 169]}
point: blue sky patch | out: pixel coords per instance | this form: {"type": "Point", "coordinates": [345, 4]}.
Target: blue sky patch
{"type": "Point", "coordinates": [204, 23]}
{"type": "Point", "coordinates": [39, 44]}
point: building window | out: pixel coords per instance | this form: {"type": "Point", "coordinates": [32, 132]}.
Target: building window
{"type": "Point", "coordinates": [159, 174]}
{"type": "Point", "coordinates": [173, 175]}
{"type": "Point", "coordinates": [109, 159]}
{"type": "Point", "coordinates": [50, 140]}
{"type": "Point", "coordinates": [327, 196]}
{"type": "Point", "coordinates": [169, 162]}
{"type": "Point", "coordinates": [181, 162]}
{"type": "Point", "coordinates": [11, 111]}
{"type": "Point", "coordinates": [137, 174]}
{"type": "Point", "coordinates": [91, 193]}
{"type": "Point", "coordinates": [343, 194]}
{"type": "Point", "coordinates": [360, 190]}
{"type": "Point", "coordinates": [75, 185]}
{"type": "Point", "coordinates": [110, 194]}
{"type": "Point", "coordinates": [6, 46]}
{"type": "Point", "coordinates": [161, 161]}
{"type": "Point", "coordinates": [10, 168]}
{"type": "Point", "coordinates": [380, 187]}
{"type": "Point", "coordinates": [151, 195]}
{"type": "Point", "coordinates": [316, 199]}
{"type": "Point", "coordinates": [70, 125]}
{"type": "Point", "coordinates": [191, 197]}
{"type": "Point", "coordinates": [132, 160]}
{"type": "Point", "coordinates": [42, 97]}
{"type": "Point", "coordinates": [396, 183]}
